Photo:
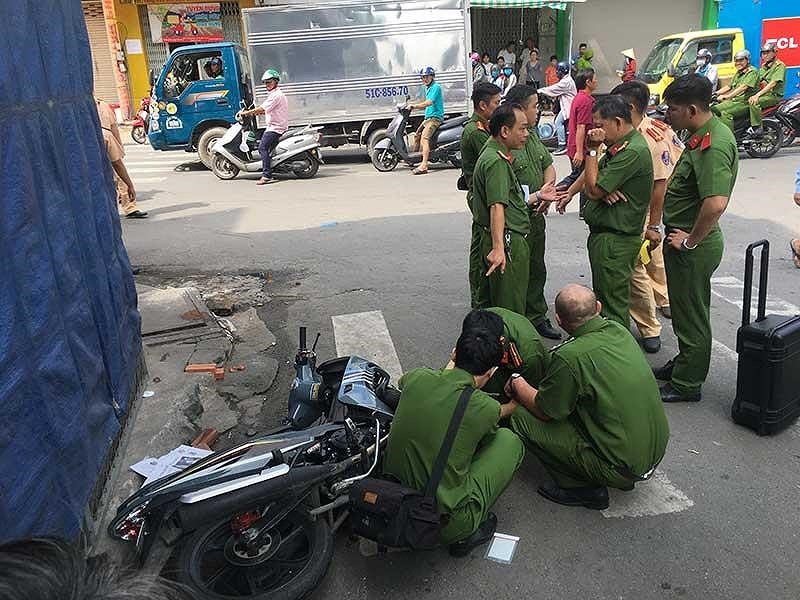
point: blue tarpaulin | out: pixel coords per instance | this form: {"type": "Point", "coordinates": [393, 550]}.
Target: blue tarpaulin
{"type": "Point", "coordinates": [69, 326]}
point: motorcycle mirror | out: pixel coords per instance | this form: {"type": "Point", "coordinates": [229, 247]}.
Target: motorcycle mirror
{"type": "Point", "coordinates": [152, 77]}
{"type": "Point", "coordinates": [316, 341]}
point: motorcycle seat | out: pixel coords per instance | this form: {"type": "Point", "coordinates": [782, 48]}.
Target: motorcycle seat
{"type": "Point", "coordinates": [289, 133]}
{"type": "Point", "coordinates": [454, 122]}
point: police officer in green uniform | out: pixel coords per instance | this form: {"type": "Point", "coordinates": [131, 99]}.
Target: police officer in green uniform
{"type": "Point", "coordinates": [772, 78]}
{"type": "Point", "coordinates": [523, 351]}
{"type": "Point", "coordinates": [696, 197]}
{"type": "Point", "coordinates": [596, 420]}
{"type": "Point", "coordinates": [485, 100]}
{"type": "Point", "coordinates": [483, 458]}
{"type": "Point", "coordinates": [619, 187]}
{"type": "Point", "coordinates": [533, 166]}
{"type": "Point", "coordinates": [500, 211]}
{"type": "Point", "coordinates": [733, 98]}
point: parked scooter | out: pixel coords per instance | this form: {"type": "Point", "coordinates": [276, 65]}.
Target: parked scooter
{"type": "Point", "coordinates": [297, 151]}
{"type": "Point", "coordinates": [787, 115]}
{"type": "Point", "coordinates": [141, 124]}
{"type": "Point", "coordinates": [445, 145]}
{"type": "Point", "coordinates": [258, 520]}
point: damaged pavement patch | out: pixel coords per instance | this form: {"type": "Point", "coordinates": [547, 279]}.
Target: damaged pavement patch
{"type": "Point", "coordinates": [214, 411]}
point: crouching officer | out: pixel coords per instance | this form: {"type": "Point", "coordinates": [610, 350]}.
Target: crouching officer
{"type": "Point", "coordinates": [697, 195]}
{"type": "Point", "coordinates": [596, 420]}
{"type": "Point", "coordinates": [485, 100]}
{"type": "Point", "coordinates": [483, 458]}
{"type": "Point", "coordinates": [501, 214]}
{"type": "Point", "coordinates": [533, 166]}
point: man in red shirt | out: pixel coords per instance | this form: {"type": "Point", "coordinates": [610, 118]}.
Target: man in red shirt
{"type": "Point", "coordinates": [580, 121]}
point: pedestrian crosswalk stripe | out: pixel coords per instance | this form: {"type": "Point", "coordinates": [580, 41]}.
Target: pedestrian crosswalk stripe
{"type": "Point", "coordinates": [366, 335]}
{"type": "Point", "coordinates": [149, 179]}
{"type": "Point", "coordinates": [731, 289]}
{"type": "Point", "coordinates": [657, 496]}
{"type": "Point", "coordinates": [134, 170]}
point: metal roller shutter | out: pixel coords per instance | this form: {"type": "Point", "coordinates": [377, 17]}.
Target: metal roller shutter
{"type": "Point", "coordinates": [105, 85]}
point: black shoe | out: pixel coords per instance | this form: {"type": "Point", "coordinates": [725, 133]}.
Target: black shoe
{"type": "Point", "coordinates": [670, 394]}
{"type": "Point", "coordinates": [546, 329]}
{"type": "Point", "coordinates": [137, 214]}
{"type": "Point", "coordinates": [665, 373]}
{"type": "Point", "coordinates": [479, 537]}
{"type": "Point", "coordinates": [595, 498]}
{"type": "Point", "coordinates": [665, 310]}
{"type": "Point", "coordinates": [651, 345]}
{"type": "Point", "coordinates": [756, 132]}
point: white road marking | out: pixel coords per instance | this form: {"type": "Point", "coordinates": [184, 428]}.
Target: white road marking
{"type": "Point", "coordinates": [366, 335]}
{"type": "Point", "coordinates": [731, 290]}
{"type": "Point", "coordinates": [150, 179]}
{"type": "Point", "coordinates": [720, 348]}
{"type": "Point", "coordinates": [657, 496]}
{"type": "Point", "coordinates": [152, 163]}
{"type": "Point", "coordinates": [133, 171]}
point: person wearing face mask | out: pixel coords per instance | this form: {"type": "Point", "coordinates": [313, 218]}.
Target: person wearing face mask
{"type": "Point", "coordinates": [705, 68]}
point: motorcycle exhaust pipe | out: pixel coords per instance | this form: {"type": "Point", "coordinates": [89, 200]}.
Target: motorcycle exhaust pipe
{"type": "Point", "coordinates": [294, 484]}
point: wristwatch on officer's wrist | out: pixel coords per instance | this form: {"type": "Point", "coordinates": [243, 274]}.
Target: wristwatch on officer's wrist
{"type": "Point", "coordinates": [686, 246]}
{"type": "Point", "coordinates": [593, 152]}
{"type": "Point", "coordinates": [656, 228]}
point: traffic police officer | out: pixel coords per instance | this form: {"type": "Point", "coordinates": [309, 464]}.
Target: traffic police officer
{"type": "Point", "coordinates": [733, 98]}
{"type": "Point", "coordinates": [500, 212]}
{"type": "Point", "coordinates": [485, 100]}
{"type": "Point", "coordinates": [533, 166]}
{"type": "Point", "coordinates": [697, 195]}
{"type": "Point", "coordinates": [483, 459]}
{"type": "Point", "coordinates": [619, 188]}
{"type": "Point", "coordinates": [772, 78]}
{"type": "Point", "coordinates": [596, 419]}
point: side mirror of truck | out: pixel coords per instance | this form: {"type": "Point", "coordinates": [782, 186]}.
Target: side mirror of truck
{"type": "Point", "coordinates": [672, 71]}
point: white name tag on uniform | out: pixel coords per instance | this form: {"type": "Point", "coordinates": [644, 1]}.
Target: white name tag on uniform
{"type": "Point", "coordinates": [526, 192]}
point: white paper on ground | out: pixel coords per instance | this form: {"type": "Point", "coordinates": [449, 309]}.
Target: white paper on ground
{"type": "Point", "coordinates": [502, 548]}
{"type": "Point", "coordinates": [174, 461]}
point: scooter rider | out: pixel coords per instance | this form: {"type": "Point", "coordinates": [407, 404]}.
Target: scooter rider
{"type": "Point", "coordinates": [772, 80]}
{"type": "Point", "coordinates": [276, 109]}
{"type": "Point", "coordinates": [564, 91]}
{"type": "Point", "coordinates": [434, 115]}
{"type": "Point", "coordinates": [733, 98]}
{"type": "Point", "coordinates": [705, 68]}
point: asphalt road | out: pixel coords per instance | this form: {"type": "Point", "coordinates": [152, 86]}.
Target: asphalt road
{"type": "Point", "coordinates": [354, 240]}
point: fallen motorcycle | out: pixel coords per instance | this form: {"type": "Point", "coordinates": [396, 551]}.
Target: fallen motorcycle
{"type": "Point", "coordinates": [258, 520]}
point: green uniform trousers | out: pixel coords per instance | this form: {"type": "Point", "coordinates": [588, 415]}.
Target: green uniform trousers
{"type": "Point", "coordinates": [492, 469]}
{"type": "Point", "coordinates": [477, 270]}
{"type": "Point", "coordinates": [536, 305]}
{"type": "Point", "coordinates": [729, 110]}
{"type": "Point", "coordinates": [612, 257]}
{"type": "Point", "coordinates": [568, 457]}
{"type": "Point", "coordinates": [689, 279]}
{"type": "Point", "coordinates": [510, 289]}
{"type": "Point", "coordinates": [755, 109]}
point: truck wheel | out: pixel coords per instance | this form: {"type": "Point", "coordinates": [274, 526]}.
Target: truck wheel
{"type": "Point", "coordinates": [384, 159]}
{"type": "Point", "coordinates": [375, 137]}
{"type": "Point", "coordinates": [207, 139]}
{"type": "Point", "coordinates": [223, 168]}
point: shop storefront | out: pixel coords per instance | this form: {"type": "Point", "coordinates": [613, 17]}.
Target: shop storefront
{"type": "Point", "coordinates": [105, 85]}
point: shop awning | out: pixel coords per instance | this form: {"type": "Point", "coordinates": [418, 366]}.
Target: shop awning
{"type": "Point", "coordinates": [521, 4]}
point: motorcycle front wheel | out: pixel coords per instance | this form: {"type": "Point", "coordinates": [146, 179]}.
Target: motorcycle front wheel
{"type": "Point", "coordinates": [138, 134]}
{"type": "Point", "coordinates": [384, 159]}
{"type": "Point", "coordinates": [290, 564]}
{"type": "Point", "coordinates": [223, 168]}
{"type": "Point", "coordinates": [769, 143]}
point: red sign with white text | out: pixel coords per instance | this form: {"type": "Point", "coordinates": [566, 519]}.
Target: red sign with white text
{"type": "Point", "coordinates": [785, 34]}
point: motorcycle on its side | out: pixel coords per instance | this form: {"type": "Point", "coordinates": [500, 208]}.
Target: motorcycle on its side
{"type": "Point", "coordinates": [141, 124]}
{"type": "Point", "coordinates": [258, 520]}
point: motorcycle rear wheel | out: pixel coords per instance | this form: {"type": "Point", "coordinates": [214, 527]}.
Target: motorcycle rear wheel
{"type": "Point", "coordinates": [223, 168]}
{"type": "Point", "coordinates": [384, 159]}
{"type": "Point", "coordinates": [138, 134]}
{"type": "Point", "coordinates": [287, 572]}
{"type": "Point", "coordinates": [310, 167]}
{"type": "Point", "coordinates": [769, 143]}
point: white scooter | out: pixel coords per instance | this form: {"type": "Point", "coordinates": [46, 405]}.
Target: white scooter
{"type": "Point", "coordinates": [297, 151]}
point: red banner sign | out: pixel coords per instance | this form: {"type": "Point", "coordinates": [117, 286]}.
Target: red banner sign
{"type": "Point", "coordinates": [785, 34]}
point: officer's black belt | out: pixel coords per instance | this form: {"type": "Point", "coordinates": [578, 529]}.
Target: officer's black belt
{"type": "Point", "coordinates": [505, 231]}
{"type": "Point", "coordinates": [598, 230]}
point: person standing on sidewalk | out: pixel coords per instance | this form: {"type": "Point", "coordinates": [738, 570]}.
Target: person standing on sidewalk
{"type": "Point", "coordinates": [697, 195]}
{"type": "Point", "coordinates": [126, 194]}
{"type": "Point", "coordinates": [564, 91]}
{"type": "Point", "coordinates": [276, 110]}
{"type": "Point", "coordinates": [649, 281]}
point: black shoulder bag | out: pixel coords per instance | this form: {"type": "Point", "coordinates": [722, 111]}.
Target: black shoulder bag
{"type": "Point", "coordinates": [396, 516]}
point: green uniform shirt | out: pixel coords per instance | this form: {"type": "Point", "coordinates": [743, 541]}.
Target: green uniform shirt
{"type": "Point", "coordinates": [707, 167]}
{"type": "Point", "coordinates": [535, 358]}
{"type": "Point", "coordinates": [494, 182]}
{"type": "Point", "coordinates": [626, 166]}
{"type": "Point", "coordinates": [600, 381]}
{"type": "Point", "coordinates": [427, 403]}
{"type": "Point", "coordinates": [775, 72]}
{"type": "Point", "coordinates": [473, 138]}
{"type": "Point", "coordinates": [748, 77]}
{"type": "Point", "coordinates": [531, 161]}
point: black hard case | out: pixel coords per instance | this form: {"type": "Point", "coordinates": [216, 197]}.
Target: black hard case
{"type": "Point", "coordinates": [768, 379]}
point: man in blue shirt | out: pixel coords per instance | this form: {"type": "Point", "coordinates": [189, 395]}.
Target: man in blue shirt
{"type": "Point", "coordinates": [434, 115]}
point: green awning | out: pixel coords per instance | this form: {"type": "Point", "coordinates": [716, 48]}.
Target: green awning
{"type": "Point", "coordinates": [521, 4]}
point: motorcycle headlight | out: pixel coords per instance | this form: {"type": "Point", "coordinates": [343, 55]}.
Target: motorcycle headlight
{"type": "Point", "coordinates": [655, 99]}
{"type": "Point", "coordinates": [130, 527]}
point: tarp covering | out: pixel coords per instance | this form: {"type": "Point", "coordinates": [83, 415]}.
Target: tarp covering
{"type": "Point", "coordinates": [69, 327]}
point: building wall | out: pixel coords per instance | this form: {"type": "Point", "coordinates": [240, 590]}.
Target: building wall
{"type": "Point", "coordinates": [610, 26]}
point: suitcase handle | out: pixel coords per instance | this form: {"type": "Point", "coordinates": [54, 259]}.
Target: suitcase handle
{"type": "Point", "coordinates": [763, 271]}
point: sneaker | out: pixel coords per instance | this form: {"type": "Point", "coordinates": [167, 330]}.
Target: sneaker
{"type": "Point", "coordinates": [479, 537]}
{"type": "Point", "coordinates": [137, 214]}
{"type": "Point", "coordinates": [560, 151]}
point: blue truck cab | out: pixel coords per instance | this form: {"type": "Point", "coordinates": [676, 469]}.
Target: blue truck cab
{"type": "Point", "coordinates": [192, 104]}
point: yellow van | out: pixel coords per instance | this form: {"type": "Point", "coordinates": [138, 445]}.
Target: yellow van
{"type": "Point", "coordinates": [675, 55]}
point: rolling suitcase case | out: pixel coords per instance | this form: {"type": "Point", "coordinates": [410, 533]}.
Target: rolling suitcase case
{"type": "Point", "coordinates": [768, 378]}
